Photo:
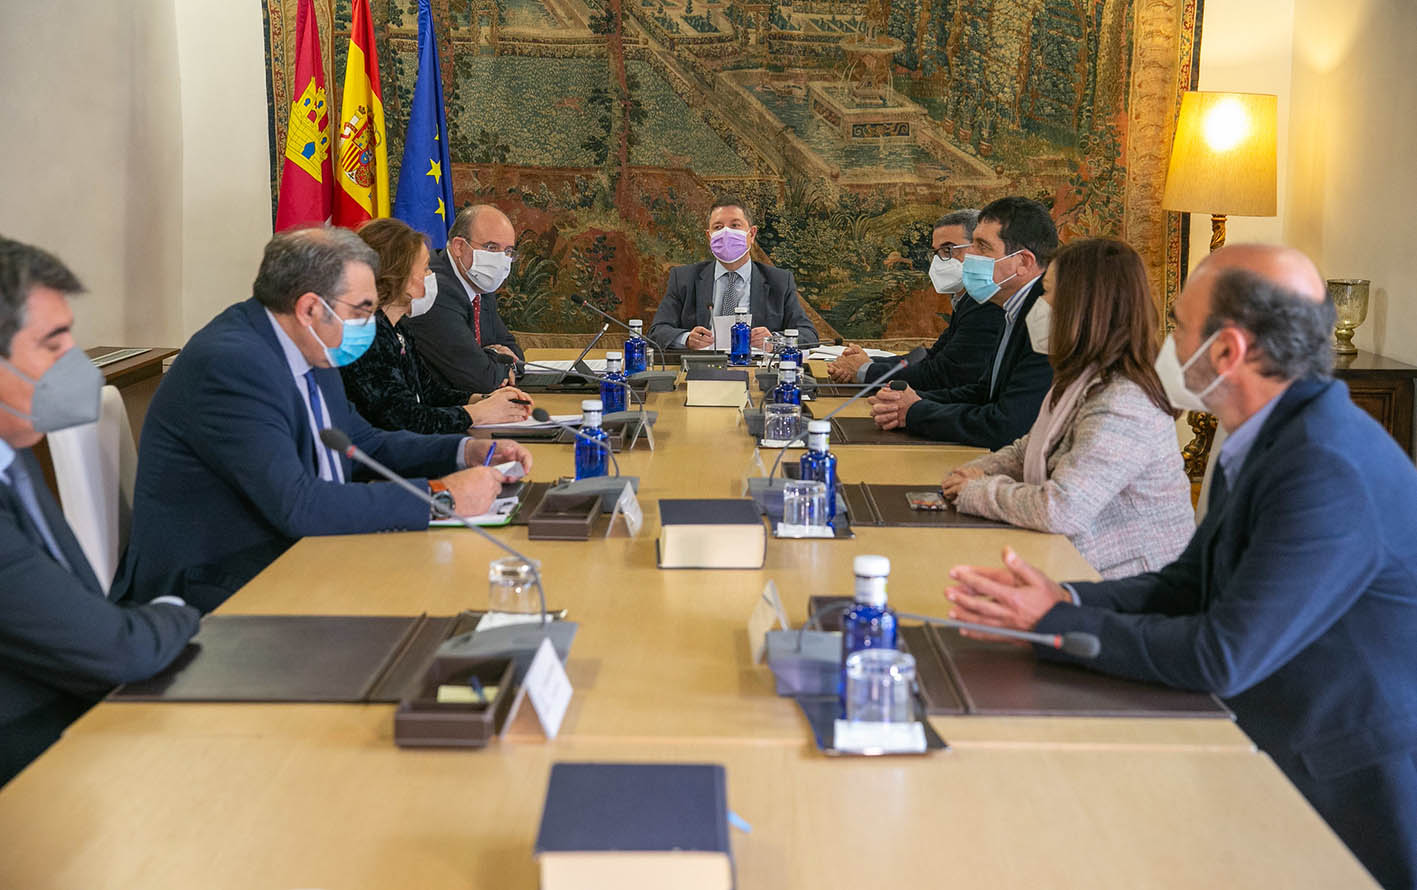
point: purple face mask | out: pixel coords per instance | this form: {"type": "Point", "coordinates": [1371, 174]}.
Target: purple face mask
{"type": "Point", "coordinates": [729, 245]}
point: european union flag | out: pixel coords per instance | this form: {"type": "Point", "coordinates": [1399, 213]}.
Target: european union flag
{"type": "Point", "coordinates": [425, 192]}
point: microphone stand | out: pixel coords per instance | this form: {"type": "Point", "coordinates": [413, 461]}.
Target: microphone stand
{"type": "Point", "coordinates": [607, 487]}
{"type": "Point", "coordinates": [339, 441]}
{"type": "Point", "coordinates": [645, 421]}
{"type": "Point", "coordinates": [663, 368]}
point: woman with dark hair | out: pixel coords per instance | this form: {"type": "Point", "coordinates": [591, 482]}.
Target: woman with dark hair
{"type": "Point", "coordinates": [1102, 463]}
{"type": "Point", "coordinates": [389, 385]}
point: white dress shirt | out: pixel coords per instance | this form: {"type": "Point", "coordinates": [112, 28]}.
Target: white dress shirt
{"type": "Point", "coordinates": [330, 469]}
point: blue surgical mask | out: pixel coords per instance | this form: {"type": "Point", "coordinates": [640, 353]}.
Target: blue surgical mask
{"type": "Point", "coordinates": [354, 339]}
{"type": "Point", "coordinates": [978, 276]}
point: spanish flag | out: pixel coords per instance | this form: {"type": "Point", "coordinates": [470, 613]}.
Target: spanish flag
{"type": "Point", "coordinates": [362, 168]}
{"type": "Point", "coordinates": [306, 183]}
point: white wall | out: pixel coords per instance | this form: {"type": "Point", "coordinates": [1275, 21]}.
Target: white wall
{"type": "Point", "coordinates": [134, 147]}
{"type": "Point", "coordinates": [1247, 47]}
{"type": "Point", "coordinates": [1352, 174]}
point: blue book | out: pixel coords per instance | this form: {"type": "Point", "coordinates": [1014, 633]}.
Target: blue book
{"type": "Point", "coordinates": [622, 825]}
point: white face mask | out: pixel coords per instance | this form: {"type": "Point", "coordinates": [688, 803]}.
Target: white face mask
{"type": "Point", "coordinates": [488, 270]}
{"type": "Point", "coordinates": [1173, 375]}
{"type": "Point", "coordinates": [1039, 321]}
{"type": "Point", "coordinates": [947, 275]}
{"type": "Point", "coordinates": [422, 304]}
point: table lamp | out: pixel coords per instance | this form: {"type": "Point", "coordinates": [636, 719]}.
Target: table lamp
{"type": "Point", "coordinates": [1223, 158]}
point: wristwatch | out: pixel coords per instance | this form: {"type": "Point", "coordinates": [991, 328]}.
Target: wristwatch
{"type": "Point", "coordinates": [442, 500]}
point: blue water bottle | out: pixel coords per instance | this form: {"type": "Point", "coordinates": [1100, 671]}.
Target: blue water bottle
{"type": "Point", "coordinates": [818, 463]}
{"type": "Point", "coordinates": [786, 391]}
{"type": "Point", "coordinates": [740, 339]}
{"type": "Point", "coordinates": [636, 348]}
{"type": "Point", "coordinates": [612, 384]}
{"type": "Point", "coordinates": [870, 623]}
{"type": "Point", "coordinates": [591, 456]}
{"type": "Point", "coordinates": [790, 351]}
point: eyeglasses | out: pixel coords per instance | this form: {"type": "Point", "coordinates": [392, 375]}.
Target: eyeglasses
{"type": "Point", "coordinates": [951, 251]}
{"type": "Point", "coordinates": [493, 247]}
{"type": "Point", "coordinates": [360, 312]}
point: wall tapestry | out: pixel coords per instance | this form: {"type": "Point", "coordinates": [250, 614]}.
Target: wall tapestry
{"type": "Point", "coordinates": [604, 128]}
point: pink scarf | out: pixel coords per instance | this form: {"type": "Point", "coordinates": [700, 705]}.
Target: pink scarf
{"type": "Point", "coordinates": [1050, 425]}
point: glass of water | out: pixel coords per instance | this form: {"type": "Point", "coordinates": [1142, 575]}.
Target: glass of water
{"type": "Point", "coordinates": [511, 586]}
{"type": "Point", "coordinates": [781, 422]}
{"type": "Point", "coordinates": [804, 504]}
{"type": "Point", "coordinates": [879, 685]}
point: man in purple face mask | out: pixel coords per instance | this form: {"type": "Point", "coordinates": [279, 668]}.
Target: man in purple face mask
{"type": "Point", "coordinates": [698, 292]}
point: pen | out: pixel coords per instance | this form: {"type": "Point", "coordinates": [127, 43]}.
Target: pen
{"type": "Point", "coordinates": [491, 450]}
{"type": "Point", "coordinates": [477, 689]}
{"type": "Point", "coordinates": [519, 401]}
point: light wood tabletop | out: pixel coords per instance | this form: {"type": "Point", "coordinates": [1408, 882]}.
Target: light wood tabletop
{"type": "Point", "coordinates": [229, 795]}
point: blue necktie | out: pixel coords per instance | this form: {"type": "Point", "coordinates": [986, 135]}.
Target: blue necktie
{"type": "Point", "coordinates": [24, 489]}
{"type": "Point", "coordinates": [313, 389]}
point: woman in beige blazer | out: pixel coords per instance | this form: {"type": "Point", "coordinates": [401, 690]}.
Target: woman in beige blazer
{"type": "Point", "coordinates": [1101, 463]}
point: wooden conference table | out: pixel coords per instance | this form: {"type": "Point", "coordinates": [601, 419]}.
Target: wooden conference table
{"type": "Point", "coordinates": [285, 796]}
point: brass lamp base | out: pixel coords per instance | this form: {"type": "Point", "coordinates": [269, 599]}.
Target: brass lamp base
{"type": "Point", "coordinates": [1343, 340]}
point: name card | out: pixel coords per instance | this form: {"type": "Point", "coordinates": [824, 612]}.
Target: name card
{"type": "Point", "coordinates": [767, 611]}
{"type": "Point", "coordinates": [860, 737]}
{"type": "Point", "coordinates": [628, 506]}
{"type": "Point", "coordinates": [547, 687]}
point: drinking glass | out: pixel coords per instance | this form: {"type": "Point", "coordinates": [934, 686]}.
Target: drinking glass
{"type": "Point", "coordinates": [879, 684]}
{"type": "Point", "coordinates": [804, 504]}
{"type": "Point", "coordinates": [781, 422]}
{"type": "Point", "coordinates": [511, 586]}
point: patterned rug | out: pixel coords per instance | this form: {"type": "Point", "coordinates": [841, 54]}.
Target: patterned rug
{"type": "Point", "coordinates": [605, 128]}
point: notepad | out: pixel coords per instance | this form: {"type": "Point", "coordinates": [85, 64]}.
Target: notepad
{"type": "Point", "coordinates": [532, 424]}
{"type": "Point", "coordinates": [500, 513]}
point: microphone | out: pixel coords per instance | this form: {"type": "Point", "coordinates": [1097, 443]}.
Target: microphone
{"type": "Point", "coordinates": [646, 418]}
{"type": "Point", "coordinates": [337, 440]}
{"type": "Point", "coordinates": [655, 379]}
{"type": "Point", "coordinates": [607, 487]}
{"type": "Point", "coordinates": [899, 385]}
{"type": "Point", "coordinates": [1075, 643]}
{"type": "Point", "coordinates": [874, 385]}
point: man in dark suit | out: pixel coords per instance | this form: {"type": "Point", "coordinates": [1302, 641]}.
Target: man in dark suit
{"type": "Point", "coordinates": [231, 470]}
{"type": "Point", "coordinates": [461, 335]}
{"type": "Point", "coordinates": [1296, 599]}
{"type": "Point", "coordinates": [697, 292]}
{"type": "Point", "coordinates": [966, 349]}
{"type": "Point", "coordinates": [63, 644]}
{"type": "Point", "coordinates": [1013, 242]}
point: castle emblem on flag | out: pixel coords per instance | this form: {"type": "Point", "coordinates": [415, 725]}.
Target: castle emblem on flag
{"type": "Point", "coordinates": [358, 139]}
{"type": "Point", "coordinates": [307, 142]}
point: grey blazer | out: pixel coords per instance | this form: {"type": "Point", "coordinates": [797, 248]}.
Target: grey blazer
{"type": "Point", "coordinates": [688, 301]}
{"type": "Point", "coordinates": [1116, 485]}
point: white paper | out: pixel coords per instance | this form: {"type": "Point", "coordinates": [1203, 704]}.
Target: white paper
{"type": "Point", "coordinates": [598, 365]}
{"type": "Point", "coordinates": [500, 513]}
{"type": "Point", "coordinates": [532, 424]}
{"type": "Point", "coordinates": [513, 470]}
{"type": "Point", "coordinates": [786, 530]}
{"type": "Point", "coordinates": [827, 353]}
{"type": "Point", "coordinates": [722, 332]}
{"type": "Point", "coordinates": [548, 687]}
{"type": "Point", "coordinates": [860, 737]}
{"type": "Point", "coordinates": [494, 620]}
{"type": "Point", "coordinates": [767, 611]}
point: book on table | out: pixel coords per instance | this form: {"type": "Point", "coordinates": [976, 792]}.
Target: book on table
{"type": "Point", "coordinates": [620, 825]}
{"type": "Point", "coordinates": [711, 533]}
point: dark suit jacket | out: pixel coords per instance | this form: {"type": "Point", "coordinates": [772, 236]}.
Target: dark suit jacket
{"type": "Point", "coordinates": [1296, 601]}
{"type": "Point", "coordinates": [63, 644]}
{"type": "Point", "coordinates": [963, 354]}
{"type": "Point", "coordinates": [688, 301]}
{"type": "Point", "coordinates": [974, 414]}
{"type": "Point", "coordinates": [391, 388]}
{"type": "Point", "coordinates": [447, 339]}
{"type": "Point", "coordinates": [227, 470]}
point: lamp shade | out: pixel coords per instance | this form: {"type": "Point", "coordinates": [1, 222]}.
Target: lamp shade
{"type": "Point", "coordinates": [1223, 156]}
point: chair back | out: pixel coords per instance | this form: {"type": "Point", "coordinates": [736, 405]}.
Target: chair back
{"type": "Point", "coordinates": [96, 466]}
